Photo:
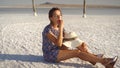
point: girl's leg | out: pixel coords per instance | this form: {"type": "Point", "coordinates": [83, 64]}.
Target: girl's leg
{"type": "Point", "coordinates": [83, 47]}
{"type": "Point", "coordinates": [67, 54]}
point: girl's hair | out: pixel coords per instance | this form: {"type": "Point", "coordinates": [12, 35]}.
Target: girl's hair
{"type": "Point", "coordinates": [52, 11]}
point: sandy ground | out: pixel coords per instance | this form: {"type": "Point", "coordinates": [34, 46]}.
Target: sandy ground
{"type": "Point", "coordinates": [21, 40]}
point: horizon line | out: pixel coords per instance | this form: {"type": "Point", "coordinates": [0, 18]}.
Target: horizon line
{"type": "Point", "coordinates": [45, 5]}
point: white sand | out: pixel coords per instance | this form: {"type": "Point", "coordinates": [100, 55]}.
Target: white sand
{"type": "Point", "coordinates": [21, 40]}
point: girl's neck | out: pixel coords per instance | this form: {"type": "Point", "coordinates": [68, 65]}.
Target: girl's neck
{"type": "Point", "coordinates": [54, 26]}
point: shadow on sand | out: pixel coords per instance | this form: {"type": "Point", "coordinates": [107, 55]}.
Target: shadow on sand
{"type": "Point", "coordinates": [25, 58]}
{"type": "Point", "coordinates": [35, 58]}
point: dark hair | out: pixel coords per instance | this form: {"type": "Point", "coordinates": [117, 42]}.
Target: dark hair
{"type": "Point", "coordinates": [52, 11]}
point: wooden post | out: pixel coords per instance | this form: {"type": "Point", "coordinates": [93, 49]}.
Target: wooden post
{"type": "Point", "coordinates": [84, 8]}
{"type": "Point", "coordinates": [33, 6]}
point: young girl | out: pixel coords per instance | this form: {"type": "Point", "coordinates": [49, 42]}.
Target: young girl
{"type": "Point", "coordinates": [55, 51]}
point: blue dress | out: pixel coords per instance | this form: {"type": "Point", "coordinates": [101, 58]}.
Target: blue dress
{"type": "Point", "coordinates": [50, 50]}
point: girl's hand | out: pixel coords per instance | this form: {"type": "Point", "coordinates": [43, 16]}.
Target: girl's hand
{"type": "Point", "coordinates": [60, 23]}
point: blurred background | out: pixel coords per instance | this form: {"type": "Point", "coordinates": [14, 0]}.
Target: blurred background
{"type": "Point", "coordinates": [28, 2]}
{"type": "Point", "coordinates": [99, 7]}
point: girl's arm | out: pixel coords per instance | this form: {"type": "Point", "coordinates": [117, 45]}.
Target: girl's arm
{"type": "Point", "coordinates": [57, 40]}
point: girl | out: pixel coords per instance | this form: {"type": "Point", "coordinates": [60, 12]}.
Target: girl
{"type": "Point", "coordinates": [55, 51]}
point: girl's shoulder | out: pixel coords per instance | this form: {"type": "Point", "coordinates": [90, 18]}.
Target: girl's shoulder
{"type": "Point", "coordinates": [47, 28]}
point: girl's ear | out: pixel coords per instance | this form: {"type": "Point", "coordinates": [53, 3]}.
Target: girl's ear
{"type": "Point", "coordinates": [50, 18]}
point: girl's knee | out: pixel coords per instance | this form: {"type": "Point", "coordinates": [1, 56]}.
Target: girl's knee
{"type": "Point", "coordinates": [83, 45]}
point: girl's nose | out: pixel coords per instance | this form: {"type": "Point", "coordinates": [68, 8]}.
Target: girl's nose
{"type": "Point", "coordinates": [59, 17]}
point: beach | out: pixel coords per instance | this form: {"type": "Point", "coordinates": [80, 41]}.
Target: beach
{"type": "Point", "coordinates": [21, 37]}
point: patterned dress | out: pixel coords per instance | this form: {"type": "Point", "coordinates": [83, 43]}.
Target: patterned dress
{"type": "Point", "coordinates": [50, 50]}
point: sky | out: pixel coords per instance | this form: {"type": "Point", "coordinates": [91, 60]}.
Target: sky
{"type": "Point", "coordinates": [28, 2]}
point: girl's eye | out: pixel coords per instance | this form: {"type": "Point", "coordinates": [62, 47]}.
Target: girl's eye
{"type": "Point", "coordinates": [57, 16]}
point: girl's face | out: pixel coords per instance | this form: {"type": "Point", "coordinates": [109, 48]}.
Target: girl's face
{"type": "Point", "coordinates": [56, 16]}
